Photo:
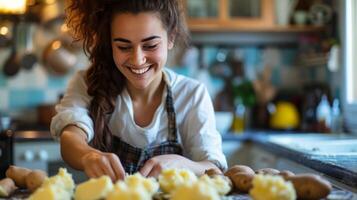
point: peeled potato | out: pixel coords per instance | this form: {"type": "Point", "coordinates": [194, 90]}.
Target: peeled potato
{"type": "Point", "coordinates": [270, 187]}
{"type": "Point", "coordinates": [7, 186]}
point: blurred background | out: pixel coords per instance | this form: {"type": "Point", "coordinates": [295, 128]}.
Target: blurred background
{"type": "Point", "coordinates": [267, 64]}
{"type": "Point", "coordinates": [281, 69]}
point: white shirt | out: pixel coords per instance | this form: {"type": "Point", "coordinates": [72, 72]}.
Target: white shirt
{"type": "Point", "coordinates": [195, 122]}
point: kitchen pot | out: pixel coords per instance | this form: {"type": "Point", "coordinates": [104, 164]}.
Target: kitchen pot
{"type": "Point", "coordinates": [58, 59]}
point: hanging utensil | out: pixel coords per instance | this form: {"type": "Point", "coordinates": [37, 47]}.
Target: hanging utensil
{"type": "Point", "coordinates": [58, 59]}
{"type": "Point", "coordinates": [5, 33]}
{"type": "Point", "coordinates": [11, 65]}
{"type": "Point", "coordinates": [47, 11]}
{"type": "Point", "coordinates": [29, 58]}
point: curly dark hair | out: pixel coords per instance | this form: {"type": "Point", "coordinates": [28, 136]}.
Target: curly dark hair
{"type": "Point", "coordinates": [89, 21]}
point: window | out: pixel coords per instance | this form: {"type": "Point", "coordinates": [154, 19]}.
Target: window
{"type": "Point", "coordinates": [350, 62]}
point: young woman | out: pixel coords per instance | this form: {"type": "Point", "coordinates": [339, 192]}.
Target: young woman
{"type": "Point", "coordinates": [126, 113]}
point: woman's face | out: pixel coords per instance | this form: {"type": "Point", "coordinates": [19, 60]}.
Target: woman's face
{"type": "Point", "coordinates": [140, 45]}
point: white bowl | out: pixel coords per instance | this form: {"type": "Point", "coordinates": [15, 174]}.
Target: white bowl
{"type": "Point", "coordinates": [223, 121]}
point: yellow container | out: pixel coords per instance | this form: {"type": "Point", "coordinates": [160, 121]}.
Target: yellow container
{"type": "Point", "coordinates": [286, 116]}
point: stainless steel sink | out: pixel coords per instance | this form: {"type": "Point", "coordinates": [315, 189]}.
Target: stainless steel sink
{"type": "Point", "coordinates": [318, 144]}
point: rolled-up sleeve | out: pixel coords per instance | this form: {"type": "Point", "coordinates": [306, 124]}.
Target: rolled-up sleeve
{"type": "Point", "coordinates": [201, 139]}
{"type": "Point", "coordinates": [73, 108]}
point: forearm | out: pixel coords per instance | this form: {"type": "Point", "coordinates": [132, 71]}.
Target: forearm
{"type": "Point", "coordinates": [74, 146]}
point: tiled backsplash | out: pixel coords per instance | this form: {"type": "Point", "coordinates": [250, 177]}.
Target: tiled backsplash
{"type": "Point", "coordinates": [20, 94]}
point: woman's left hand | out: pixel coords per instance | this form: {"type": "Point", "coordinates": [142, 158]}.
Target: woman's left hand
{"type": "Point", "coordinates": [155, 165]}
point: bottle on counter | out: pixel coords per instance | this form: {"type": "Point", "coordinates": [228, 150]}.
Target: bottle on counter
{"type": "Point", "coordinates": [323, 115]}
{"type": "Point", "coordinates": [336, 117]}
{"type": "Point", "coordinates": [238, 123]}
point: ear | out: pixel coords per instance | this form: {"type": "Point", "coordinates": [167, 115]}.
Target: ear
{"type": "Point", "coordinates": [170, 44]}
{"type": "Point", "coordinates": [171, 41]}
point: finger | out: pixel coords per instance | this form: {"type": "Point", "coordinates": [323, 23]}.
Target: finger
{"type": "Point", "coordinates": [146, 169]}
{"type": "Point", "coordinates": [90, 173]}
{"type": "Point", "coordinates": [93, 172]}
{"type": "Point", "coordinates": [107, 169]}
{"type": "Point", "coordinates": [117, 167]}
{"type": "Point", "coordinates": [155, 171]}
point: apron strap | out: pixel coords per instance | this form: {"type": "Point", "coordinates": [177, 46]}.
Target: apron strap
{"type": "Point", "coordinates": [170, 109]}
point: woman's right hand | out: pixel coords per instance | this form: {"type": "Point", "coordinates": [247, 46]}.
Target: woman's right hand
{"type": "Point", "coordinates": [96, 163]}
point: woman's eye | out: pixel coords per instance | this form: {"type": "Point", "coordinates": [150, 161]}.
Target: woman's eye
{"type": "Point", "coordinates": [123, 48]}
{"type": "Point", "coordinates": [150, 47]}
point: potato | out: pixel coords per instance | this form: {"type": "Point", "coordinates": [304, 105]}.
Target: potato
{"type": "Point", "coordinates": [269, 171]}
{"type": "Point", "coordinates": [286, 173]}
{"type": "Point", "coordinates": [35, 179]}
{"type": "Point", "coordinates": [310, 186]}
{"type": "Point", "coordinates": [7, 186]}
{"type": "Point", "coordinates": [242, 181]}
{"type": "Point", "coordinates": [241, 177]}
{"type": "Point", "coordinates": [238, 168]}
{"type": "Point", "coordinates": [213, 171]}
{"type": "Point", "coordinates": [18, 175]}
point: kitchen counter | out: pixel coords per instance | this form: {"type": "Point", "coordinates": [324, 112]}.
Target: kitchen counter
{"type": "Point", "coordinates": [341, 167]}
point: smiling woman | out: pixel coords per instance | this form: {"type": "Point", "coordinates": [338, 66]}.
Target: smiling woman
{"type": "Point", "coordinates": [127, 112]}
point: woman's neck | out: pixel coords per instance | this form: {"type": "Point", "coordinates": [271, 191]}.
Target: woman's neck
{"type": "Point", "coordinates": [149, 94]}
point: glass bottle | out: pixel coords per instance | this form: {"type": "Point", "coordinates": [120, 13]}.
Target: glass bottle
{"type": "Point", "coordinates": [239, 118]}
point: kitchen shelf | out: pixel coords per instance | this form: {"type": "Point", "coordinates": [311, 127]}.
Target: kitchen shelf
{"type": "Point", "coordinates": [272, 29]}
{"type": "Point", "coordinates": [217, 16]}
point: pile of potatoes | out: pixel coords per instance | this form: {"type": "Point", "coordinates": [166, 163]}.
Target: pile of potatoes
{"type": "Point", "coordinates": [307, 186]}
{"type": "Point", "coordinates": [19, 177]}
{"type": "Point", "coordinates": [238, 178]}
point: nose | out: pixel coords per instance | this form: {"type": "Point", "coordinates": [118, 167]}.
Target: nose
{"type": "Point", "coordinates": [138, 57]}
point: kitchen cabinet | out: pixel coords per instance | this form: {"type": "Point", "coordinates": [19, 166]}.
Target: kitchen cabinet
{"type": "Point", "coordinates": [235, 15]}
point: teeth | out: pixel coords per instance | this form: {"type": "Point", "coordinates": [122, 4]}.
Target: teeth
{"type": "Point", "coordinates": [139, 71]}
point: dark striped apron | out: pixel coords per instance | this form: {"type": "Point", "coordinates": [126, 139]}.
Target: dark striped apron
{"type": "Point", "coordinates": [133, 158]}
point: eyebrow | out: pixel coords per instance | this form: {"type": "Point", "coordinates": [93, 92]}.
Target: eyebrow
{"type": "Point", "coordinates": [143, 40]}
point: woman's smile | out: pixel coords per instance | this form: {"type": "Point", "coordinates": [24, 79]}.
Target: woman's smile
{"type": "Point", "coordinates": [139, 71]}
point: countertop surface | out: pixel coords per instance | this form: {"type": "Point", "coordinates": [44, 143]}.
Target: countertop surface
{"type": "Point", "coordinates": [336, 194]}
{"type": "Point", "coordinates": [341, 167]}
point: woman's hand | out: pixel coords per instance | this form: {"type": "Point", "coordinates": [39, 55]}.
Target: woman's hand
{"type": "Point", "coordinates": [155, 165]}
{"type": "Point", "coordinates": [97, 163]}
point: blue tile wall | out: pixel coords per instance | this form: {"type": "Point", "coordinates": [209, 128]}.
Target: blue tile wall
{"type": "Point", "coordinates": [16, 93]}
{"type": "Point", "coordinates": [28, 89]}
{"type": "Point", "coordinates": [2, 80]}
{"type": "Point", "coordinates": [22, 98]}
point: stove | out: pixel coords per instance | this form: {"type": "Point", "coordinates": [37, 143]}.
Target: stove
{"type": "Point", "coordinates": [6, 151]}
{"type": "Point", "coordinates": [33, 150]}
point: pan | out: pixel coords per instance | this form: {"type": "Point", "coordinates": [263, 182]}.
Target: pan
{"type": "Point", "coordinates": [12, 64]}
{"type": "Point", "coordinates": [29, 58]}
